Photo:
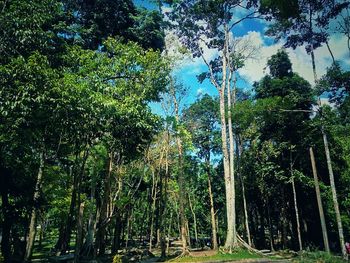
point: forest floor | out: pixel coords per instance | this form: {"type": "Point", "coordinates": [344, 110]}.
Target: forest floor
{"type": "Point", "coordinates": [204, 255]}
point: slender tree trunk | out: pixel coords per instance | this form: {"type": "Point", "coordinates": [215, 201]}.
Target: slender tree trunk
{"type": "Point", "coordinates": [88, 247]}
{"type": "Point", "coordinates": [297, 215]}
{"type": "Point", "coordinates": [129, 227]}
{"type": "Point", "coordinates": [101, 233]}
{"type": "Point", "coordinates": [212, 210]}
{"type": "Point", "coordinates": [34, 214]}
{"type": "Point", "coordinates": [182, 197]}
{"type": "Point", "coordinates": [330, 51]}
{"type": "Point", "coordinates": [79, 235]}
{"type": "Point", "coordinates": [312, 47]}
{"type": "Point", "coordinates": [270, 228]}
{"type": "Point", "coordinates": [181, 180]}
{"type": "Point", "coordinates": [194, 219]}
{"type": "Point", "coordinates": [246, 221]}
{"type": "Point", "coordinates": [6, 221]}
{"type": "Point", "coordinates": [163, 201]}
{"type": "Point", "coordinates": [169, 229]}
{"type": "Point", "coordinates": [319, 201]}
{"type": "Point", "coordinates": [245, 208]}
{"type": "Point", "coordinates": [117, 232]}
{"type": "Point", "coordinates": [334, 195]}
{"type": "Point", "coordinates": [295, 202]}
{"type": "Point", "coordinates": [62, 244]}
{"type": "Point", "coordinates": [154, 198]}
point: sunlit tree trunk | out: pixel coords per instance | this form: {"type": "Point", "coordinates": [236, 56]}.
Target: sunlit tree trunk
{"type": "Point", "coordinates": [181, 181]}
{"type": "Point", "coordinates": [194, 219]}
{"type": "Point", "coordinates": [79, 235]}
{"type": "Point", "coordinates": [297, 215]}
{"type": "Point", "coordinates": [232, 157]}
{"type": "Point", "coordinates": [153, 208]}
{"type": "Point", "coordinates": [212, 210]}
{"type": "Point", "coordinates": [319, 201]}
{"type": "Point", "coordinates": [62, 244]}
{"type": "Point", "coordinates": [334, 195]}
{"type": "Point", "coordinates": [34, 213]}
{"type": "Point", "coordinates": [104, 213]}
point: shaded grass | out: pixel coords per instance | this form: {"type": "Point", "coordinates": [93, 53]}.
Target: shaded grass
{"type": "Point", "coordinates": [237, 255]}
{"type": "Point", "coordinates": [319, 257]}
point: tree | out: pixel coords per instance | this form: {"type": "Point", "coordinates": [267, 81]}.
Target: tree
{"type": "Point", "coordinates": [296, 96]}
{"type": "Point", "coordinates": [201, 120]}
{"type": "Point", "coordinates": [208, 24]}
{"type": "Point", "coordinates": [308, 25]}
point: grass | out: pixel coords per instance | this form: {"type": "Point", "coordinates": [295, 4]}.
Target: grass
{"type": "Point", "coordinates": [239, 255]}
{"type": "Point", "coordinates": [318, 257]}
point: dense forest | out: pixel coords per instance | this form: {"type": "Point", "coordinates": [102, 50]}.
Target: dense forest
{"type": "Point", "coordinates": [104, 151]}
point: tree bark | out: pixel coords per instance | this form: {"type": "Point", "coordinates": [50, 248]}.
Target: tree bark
{"type": "Point", "coordinates": [194, 219]}
{"type": "Point", "coordinates": [330, 51]}
{"type": "Point", "coordinates": [297, 215]}
{"type": "Point", "coordinates": [79, 235]}
{"type": "Point", "coordinates": [62, 244]}
{"type": "Point", "coordinates": [334, 195]}
{"type": "Point", "coordinates": [212, 210]}
{"type": "Point", "coordinates": [104, 214]}
{"type": "Point", "coordinates": [6, 222]}
{"type": "Point", "coordinates": [270, 228]}
{"type": "Point", "coordinates": [154, 198]}
{"type": "Point", "coordinates": [34, 213]}
{"type": "Point", "coordinates": [181, 179]}
{"type": "Point", "coordinates": [232, 156]}
{"type": "Point", "coordinates": [319, 201]}
{"type": "Point", "coordinates": [245, 208]}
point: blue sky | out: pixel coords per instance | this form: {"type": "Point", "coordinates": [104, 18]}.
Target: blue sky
{"type": "Point", "coordinates": [253, 30]}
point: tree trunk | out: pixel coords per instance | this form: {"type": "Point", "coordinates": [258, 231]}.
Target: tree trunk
{"type": "Point", "coordinates": [312, 47]}
{"type": "Point", "coordinates": [169, 232]}
{"type": "Point", "coordinates": [245, 208]}
{"type": "Point", "coordinates": [79, 235]}
{"type": "Point", "coordinates": [271, 239]}
{"type": "Point", "coordinates": [330, 52]}
{"type": "Point", "coordinates": [194, 219]}
{"type": "Point", "coordinates": [88, 247]}
{"type": "Point", "coordinates": [129, 227]}
{"type": "Point", "coordinates": [104, 215]}
{"type": "Point", "coordinates": [230, 234]}
{"type": "Point", "coordinates": [34, 213]}
{"type": "Point", "coordinates": [62, 244]}
{"type": "Point", "coordinates": [6, 221]}
{"type": "Point", "coordinates": [181, 180]}
{"type": "Point", "coordinates": [232, 158]}
{"type": "Point", "coordinates": [319, 201]}
{"type": "Point", "coordinates": [334, 194]}
{"type": "Point", "coordinates": [117, 232]}
{"type": "Point", "coordinates": [153, 208]}
{"type": "Point", "coordinates": [212, 210]}
{"type": "Point", "coordinates": [297, 215]}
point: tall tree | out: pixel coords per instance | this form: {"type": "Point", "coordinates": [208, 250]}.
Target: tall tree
{"type": "Point", "coordinates": [203, 25]}
{"type": "Point", "coordinates": [201, 120]}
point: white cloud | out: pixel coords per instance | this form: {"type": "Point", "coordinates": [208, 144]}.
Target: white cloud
{"type": "Point", "coordinates": [301, 61]}
{"type": "Point", "coordinates": [254, 70]}
{"type": "Point", "coordinates": [200, 91]}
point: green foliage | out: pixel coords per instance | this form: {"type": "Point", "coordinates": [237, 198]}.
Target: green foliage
{"type": "Point", "coordinates": [336, 82]}
{"type": "Point", "coordinates": [117, 259]}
